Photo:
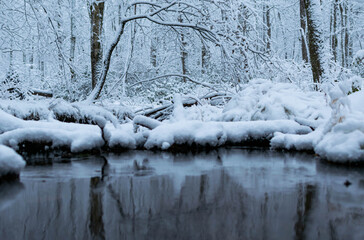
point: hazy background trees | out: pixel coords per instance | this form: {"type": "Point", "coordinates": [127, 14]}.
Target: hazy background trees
{"type": "Point", "coordinates": [59, 45]}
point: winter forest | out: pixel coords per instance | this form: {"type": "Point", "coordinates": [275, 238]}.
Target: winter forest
{"type": "Point", "coordinates": [151, 119]}
{"type": "Point", "coordinates": [86, 75]}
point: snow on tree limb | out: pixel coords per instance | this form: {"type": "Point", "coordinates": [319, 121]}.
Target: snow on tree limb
{"type": "Point", "coordinates": [107, 58]}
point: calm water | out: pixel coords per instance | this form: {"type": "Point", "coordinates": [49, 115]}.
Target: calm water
{"type": "Point", "coordinates": [225, 194]}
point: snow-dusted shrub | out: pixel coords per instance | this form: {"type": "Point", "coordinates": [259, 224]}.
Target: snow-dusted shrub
{"type": "Point", "coordinates": [264, 100]}
{"type": "Point", "coordinates": [343, 136]}
{"type": "Point", "coordinates": [27, 110]}
{"type": "Point", "coordinates": [358, 63]}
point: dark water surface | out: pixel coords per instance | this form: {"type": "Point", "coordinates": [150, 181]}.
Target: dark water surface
{"type": "Point", "coordinates": [225, 194]}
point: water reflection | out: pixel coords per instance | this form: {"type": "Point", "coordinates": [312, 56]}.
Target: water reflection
{"type": "Point", "coordinates": [225, 194]}
{"type": "Point", "coordinates": [9, 192]}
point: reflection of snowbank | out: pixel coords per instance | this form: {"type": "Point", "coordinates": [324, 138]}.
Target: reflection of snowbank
{"type": "Point", "coordinates": [9, 192]}
{"type": "Point", "coordinates": [10, 162]}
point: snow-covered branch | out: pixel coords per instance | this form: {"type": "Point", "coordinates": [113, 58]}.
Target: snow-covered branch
{"type": "Point", "coordinates": [106, 62]}
{"type": "Point", "coordinates": [177, 75]}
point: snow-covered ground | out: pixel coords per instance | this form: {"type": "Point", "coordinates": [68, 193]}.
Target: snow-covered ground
{"type": "Point", "coordinates": [10, 162]}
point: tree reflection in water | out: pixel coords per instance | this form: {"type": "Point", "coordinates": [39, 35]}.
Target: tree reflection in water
{"type": "Point", "coordinates": [225, 194]}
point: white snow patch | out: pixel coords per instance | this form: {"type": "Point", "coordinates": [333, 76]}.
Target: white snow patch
{"type": "Point", "coordinates": [218, 133]}
{"type": "Point", "coordinates": [264, 100]}
{"type": "Point", "coordinates": [10, 161]}
{"type": "Point", "coordinates": [341, 138]}
{"type": "Point", "coordinates": [78, 137]}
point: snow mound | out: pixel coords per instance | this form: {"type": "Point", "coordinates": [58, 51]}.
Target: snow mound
{"type": "Point", "coordinates": [78, 112]}
{"type": "Point", "coordinates": [341, 138]}
{"type": "Point", "coordinates": [76, 137]}
{"type": "Point", "coordinates": [218, 133]}
{"type": "Point", "coordinates": [264, 100]}
{"type": "Point", "coordinates": [35, 110]}
{"type": "Point", "coordinates": [122, 137]}
{"type": "Point", "coordinates": [344, 140]}
{"type": "Point", "coordinates": [10, 162]}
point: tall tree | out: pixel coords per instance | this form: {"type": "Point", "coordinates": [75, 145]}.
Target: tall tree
{"type": "Point", "coordinates": [72, 41]}
{"type": "Point", "coordinates": [334, 41]}
{"type": "Point", "coordinates": [303, 19]}
{"type": "Point", "coordinates": [315, 42]}
{"type": "Point", "coordinates": [96, 17]}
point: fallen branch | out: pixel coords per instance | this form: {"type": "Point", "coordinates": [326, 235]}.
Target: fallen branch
{"type": "Point", "coordinates": [176, 75]}
{"type": "Point", "coordinates": [42, 93]}
{"type": "Point", "coordinates": [146, 122]}
{"type": "Point", "coordinates": [163, 112]}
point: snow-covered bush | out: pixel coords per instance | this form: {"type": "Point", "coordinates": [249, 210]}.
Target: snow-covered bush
{"type": "Point", "coordinates": [264, 100]}
{"type": "Point", "coordinates": [341, 137]}
{"type": "Point", "coordinates": [358, 62]}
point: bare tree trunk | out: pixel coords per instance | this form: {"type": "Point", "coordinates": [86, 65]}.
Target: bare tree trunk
{"type": "Point", "coordinates": [315, 40]}
{"type": "Point", "coordinates": [73, 41]}
{"type": "Point", "coordinates": [183, 51]}
{"type": "Point", "coordinates": [11, 56]}
{"type": "Point", "coordinates": [346, 33]}
{"type": "Point", "coordinates": [153, 52]}
{"type": "Point", "coordinates": [59, 36]}
{"type": "Point", "coordinates": [349, 47]}
{"type": "Point", "coordinates": [333, 30]}
{"type": "Point", "coordinates": [97, 17]}
{"type": "Point", "coordinates": [303, 19]}
{"type": "Point", "coordinates": [342, 35]}
{"type": "Point", "coordinates": [269, 27]}
{"type": "Point", "coordinates": [204, 59]}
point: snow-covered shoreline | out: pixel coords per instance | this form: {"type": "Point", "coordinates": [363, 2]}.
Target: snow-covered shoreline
{"type": "Point", "coordinates": [279, 114]}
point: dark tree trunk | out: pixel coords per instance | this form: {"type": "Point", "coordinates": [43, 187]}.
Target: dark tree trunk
{"type": "Point", "coordinates": [73, 41]}
{"type": "Point", "coordinates": [315, 43]}
{"type": "Point", "coordinates": [303, 19]}
{"type": "Point", "coordinates": [204, 59]}
{"type": "Point", "coordinates": [153, 52]}
{"type": "Point", "coordinates": [333, 30]}
{"type": "Point", "coordinates": [269, 27]}
{"type": "Point", "coordinates": [97, 17]}
{"type": "Point", "coordinates": [342, 35]}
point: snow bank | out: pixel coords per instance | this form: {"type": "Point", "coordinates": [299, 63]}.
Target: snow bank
{"type": "Point", "coordinates": [64, 111]}
{"type": "Point", "coordinates": [10, 162]}
{"type": "Point", "coordinates": [340, 138]}
{"type": "Point", "coordinates": [122, 137]}
{"type": "Point", "coordinates": [77, 137]}
{"type": "Point", "coordinates": [264, 100]}
{"type": "Point", "coordinates": [344, 139]}
{"type": "Point", "coordinates": [218, 133]}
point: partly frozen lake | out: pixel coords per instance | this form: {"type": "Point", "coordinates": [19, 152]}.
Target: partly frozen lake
{"type": "Point", "coordinates": [224, 194]}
